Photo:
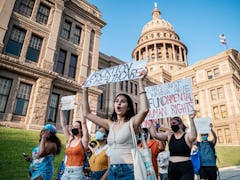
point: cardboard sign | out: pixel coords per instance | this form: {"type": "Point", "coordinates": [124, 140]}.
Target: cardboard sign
{"type": "Point", "coordinates": [68, 102]}
{"type": "Point", "coordinates": [202, 125]}
{"type": "Point", "coordinates": [116, 74]}
{"type": "Point", "coordinates": [170, 99]}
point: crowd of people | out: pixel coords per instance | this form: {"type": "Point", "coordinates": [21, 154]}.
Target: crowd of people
{"type": "Point", "coordinates": [110, 157]}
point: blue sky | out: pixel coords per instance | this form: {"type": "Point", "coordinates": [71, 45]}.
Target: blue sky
{"type": "Point", "coordinates": [197, 22]}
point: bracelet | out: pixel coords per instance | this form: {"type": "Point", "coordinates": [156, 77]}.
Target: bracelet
{"type": "Point", "coordinates": [142, 92]}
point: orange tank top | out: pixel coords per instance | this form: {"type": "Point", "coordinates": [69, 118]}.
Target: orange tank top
{"type": "Point", "coordinates": [75, 155]}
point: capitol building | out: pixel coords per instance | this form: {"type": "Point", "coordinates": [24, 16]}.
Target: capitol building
{"type": "Point", "coordinates": [49, 47]}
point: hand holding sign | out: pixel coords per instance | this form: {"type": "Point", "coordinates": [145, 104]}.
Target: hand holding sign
{"type": "Point", "coordinates": [67, 102]}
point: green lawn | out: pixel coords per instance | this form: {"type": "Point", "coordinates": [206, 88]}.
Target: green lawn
{"type": "Point", "coordinates": [13, 142]}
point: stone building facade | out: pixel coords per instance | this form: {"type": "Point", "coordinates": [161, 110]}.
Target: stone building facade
{"type": "Point", "coordinates": [49, 47]}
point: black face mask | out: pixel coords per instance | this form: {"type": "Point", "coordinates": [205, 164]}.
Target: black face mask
{"type": "Point", "coordinates": [175, 128]}
{"type": "Point", "coordinates": [75, 131]}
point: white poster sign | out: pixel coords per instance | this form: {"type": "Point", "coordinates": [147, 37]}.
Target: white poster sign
{"type": "Point", "coordinates": [170, 99]}
{"type": "Point", "coordinates": [202, 125]}
{"type": "Point", "coordinates": [116, 74]}
{"type": "Point", "coordinates": [68, 102]}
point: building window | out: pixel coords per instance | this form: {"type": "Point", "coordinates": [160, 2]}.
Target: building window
{"type": "Point", "coordinates": [131, 87]}
{"type": "Point", "coordinates": [216, 113]}
{"type": "Point", "coordinates": [92, 41]}
{"type": "Point", "coordinates": [220, 93]}
{"type": "Point", "coordinates": [126, 86]}
{"type": "Point", "coordinates": [136, 89]}
{"type": "Point", "coordinates": [15, 42]}
{"type": "Point", "coordinates": [213, 93]}
{"type": "Point", "coordinates": [25, 7]}
{"type": "Point", "coordinates": [210, 74]}
{"type": "Point", "coordinates": [220, 136]}
{"type": "Point", "coordinates": [22, 100]}
{"type": "Point", "coordinates": [34, 48]}
{"type": "Point", "coordinates": [227, 135]}
{"type": "Point", "coordinates": [224, 112]}
{"type": "Point", "coordinates": [196, 99]}
{"type": "Point", "coordinates": [216, 72]}
{"type": "Point", "coordinates": [213, 73]}
{"type": "Point", "coordinates": [66, 29]}
{"type": "Point", "coordinates": [77, 35]}
{"type": "Point", "coordinates": [136, 108]}
{"type": "Point", "coordinates": [72, 66]}
{"type": "Point", "coordinates": [100, 101]}
{"type": "Point", "coordinates": [43, 14]}
{"type": "Point", "coordinates": [5, 86]}
{"type": "Point", "coordinates": [53, 108]}
{"type": "Point", "coordinates": [121, 85]}
{"type": "Point", "coordinates": [61, 61]}
{"type": "Point", "coordinates": [67, 116]}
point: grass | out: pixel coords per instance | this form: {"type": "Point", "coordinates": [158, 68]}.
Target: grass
{"type": "Point", "coordinates": [14, 142]}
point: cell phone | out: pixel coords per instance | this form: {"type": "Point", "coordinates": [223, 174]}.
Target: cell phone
{"type": "Point", "coordinates": [25, 155]}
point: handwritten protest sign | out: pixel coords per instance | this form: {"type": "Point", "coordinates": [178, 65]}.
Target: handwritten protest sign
{"type": "Point", "coordinates": [170, 99]}
{"type": "Point", "coordinates": [115, 74]}
{"type": "Point", "coordinates": [202, 125]}
{"type": "Point", "coordinates": [68, 102]}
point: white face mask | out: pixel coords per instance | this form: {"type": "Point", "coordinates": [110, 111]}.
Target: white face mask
{"type": "Point", "coordinates": [99, 135]}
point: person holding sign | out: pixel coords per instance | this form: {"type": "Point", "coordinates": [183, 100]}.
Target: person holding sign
{"type": "Point", "coordinates": [77, 143]}
{"type": "Point", "coordinates": [120, 138]}
{"type": "Point", "coordinates": [180, 145]}
{"type": "Point", "coordinates": [208, 168]}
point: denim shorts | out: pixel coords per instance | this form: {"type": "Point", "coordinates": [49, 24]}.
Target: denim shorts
{"type": "Point", "coordinates": [97, 175]}
{"type": "Point", "coordinates": [121, 172]}
{"type": "Point", "coordinates": [73, 173]}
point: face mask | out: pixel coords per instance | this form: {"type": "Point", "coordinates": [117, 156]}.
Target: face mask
{"type": "Point", "coordinates": [175, 128]}
{"type": "Point", "coordinates": [204, 138]}
{"type": "Point", "coordinates": [75, 131]}
{"type": "Point", "coordinates": [99, 135]}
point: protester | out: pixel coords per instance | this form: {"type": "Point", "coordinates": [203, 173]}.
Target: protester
{"type": "Point", "coordinates": [180, 144]}
{"type": "Point", "coordinates": [77, 143]}
{"type": "Point", "coordinates": [208, 168]}
{"type": "Point", "coordinates": [41, 162]}
{"type": "Point", "coordinates": [99, 159]}
{"type": "Point", "coordinates": [120, 138]}
{"type": "Point", "coordinates": [163, 161]}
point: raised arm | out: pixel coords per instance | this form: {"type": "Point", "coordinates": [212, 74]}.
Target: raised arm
{"type": "Point", "coordinates": [214, 134]}
{"type": "Point", "coordinates": [85, 133]}
{"type": "Point", "coordinates": [63, 124]}
{"type": "Point", "coordinates": [92, 117]}
{"type": "Point", "coordinates": [162, 136]}
{"type": "Point", "coordinates": [192, 136]}
{"type": "Point", "coordinates": [142, 113]}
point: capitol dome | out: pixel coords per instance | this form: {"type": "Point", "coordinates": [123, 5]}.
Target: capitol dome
{"type": "Point", "coordinates": [157, 23]}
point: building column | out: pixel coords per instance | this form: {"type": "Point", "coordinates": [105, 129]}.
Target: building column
{"type": "Point", "coordinates": [155, 52]}
{"type": "Point", "coordinates": [180, 54]}
{"type": "Point", "coordinates": [6, 8]}
{"type": "Point", "coordinates": [48, 60]}
{"type": "Point", "coordinates": [164, 51]}
{"type": "Point", "coordinates": [173, 53]}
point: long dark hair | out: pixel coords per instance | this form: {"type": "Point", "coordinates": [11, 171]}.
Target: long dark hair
{"type": "Point", "coordinates": [180, 121]}
{"type": "Point", "coordinates": [130, 110]}
{"type": "Point", "coordinates": [54, 139]}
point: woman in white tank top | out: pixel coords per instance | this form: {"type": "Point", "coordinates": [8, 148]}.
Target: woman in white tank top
{"type": "Point", "coordinates": [119, 138]}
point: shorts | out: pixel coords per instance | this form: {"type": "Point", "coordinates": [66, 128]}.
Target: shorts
{"type": "Point", "coordinates": [121, 172]}
{"type": "Point", "coordinates": [180, 170]}
{"type": "Point", "coordinates": [73, 173]}
{"type": "Point", "coordinates": [208, 172]}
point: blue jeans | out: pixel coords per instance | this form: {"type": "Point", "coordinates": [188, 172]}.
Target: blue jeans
{"type": "Point", "coordinates": [121, 172]}
{"type": "Point", "coordinates": [97, 175]}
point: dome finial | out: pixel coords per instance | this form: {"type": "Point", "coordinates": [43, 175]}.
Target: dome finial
{"type": "Point", "coordinates": [156, 13]}
{"type": "Point", "coordinates": [155, 5]}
